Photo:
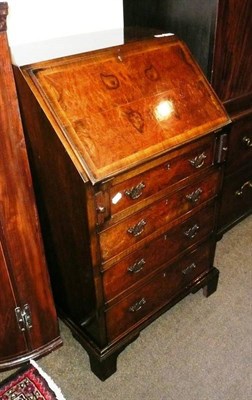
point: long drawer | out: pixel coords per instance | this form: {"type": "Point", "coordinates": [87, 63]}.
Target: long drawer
{"type": "Point", "coordinates": [131, 270]}
{"type": "Point", "coordinates": [133, 229]}
{"type": "Point", "coordinates": [145, 301]}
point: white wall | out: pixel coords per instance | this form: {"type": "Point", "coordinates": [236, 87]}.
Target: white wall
{"type": "Point", "coordinates": [30, 21]}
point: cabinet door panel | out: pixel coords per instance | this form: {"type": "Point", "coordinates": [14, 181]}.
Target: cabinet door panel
{"type": "Point", "coordinates": [22, 257]}
{"type": "Point", "coordinates": [18, 214]}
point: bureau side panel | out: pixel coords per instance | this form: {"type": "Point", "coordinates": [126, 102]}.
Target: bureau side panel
{"type": "Point", "coordinates": [62, 196]}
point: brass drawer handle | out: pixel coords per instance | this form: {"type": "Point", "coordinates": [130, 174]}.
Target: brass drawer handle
{"type": "Point", "coordinates": [239, 192]}
{"type": "Point", "coordinates": [137, 229]}
{"type": "Point", "coordinates": [137, 266]}
{"type": "Point", "coordinates": [247, 141]}
{"type": "Point", "coordinates": [189, 269]}
{"type": "Point", "coordinates": [198, 161]}
{"type": "Point", "coordinates": [136, 191]}
{"type": "Point", "coordinates": [194, 196]}
{"type": "Point", "coordinates": [192, 232]}
{"type": "Point", "coordinates": [138, 305]}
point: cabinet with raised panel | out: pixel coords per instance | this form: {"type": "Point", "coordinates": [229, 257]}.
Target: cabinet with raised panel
{"type": "Point", "coordinates": [29, 326]}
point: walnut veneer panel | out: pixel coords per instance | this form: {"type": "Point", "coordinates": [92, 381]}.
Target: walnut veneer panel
{"type": "Point", "coordinates": [120, 106]}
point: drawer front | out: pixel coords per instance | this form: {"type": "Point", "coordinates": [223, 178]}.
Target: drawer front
{"type": "Point", "coordinates": [132, 230]}
{"type": "Point", "coordinates": [145, 301]}
{"type": "Point", "coordinates": [236, 200]}
{"type": "Point", "coordinates": [240, 145]}
{"type": "Point", "coordinates": [190, 160]}
{"type": "Point", "coordinates": [138, 265]}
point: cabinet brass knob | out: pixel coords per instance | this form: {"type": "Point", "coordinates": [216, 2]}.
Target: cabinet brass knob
{"type": "Point", "coordinates": [240, 191]}
{"type": "Point", "coordinates": [247, 141]}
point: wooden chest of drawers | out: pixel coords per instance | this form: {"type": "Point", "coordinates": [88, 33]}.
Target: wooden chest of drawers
{"type": "Point", "coordinates": [126, 148]}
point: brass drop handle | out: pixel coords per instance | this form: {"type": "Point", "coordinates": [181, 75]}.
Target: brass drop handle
{"type": "Point", "coordinates": [137, 266]}
{"type": "Point", "coordinates": [239, 192]}
{"type": "Point", "coordinates": [194, 196]}
{"type": "Point", "coordinates": [198, 161]}
{"type": "Point", "coordinates": [247, 141]}
{"type": "Point", "coordinates": [138, 305]}
{"type": "Point", "coordinates": [192, 232]}
{"type": "Point", "coordinates": [137, 229]}
{"type": "Point", "coordinates": [136, 191]}
{"type": "Point", "coordinates": [189, 269]}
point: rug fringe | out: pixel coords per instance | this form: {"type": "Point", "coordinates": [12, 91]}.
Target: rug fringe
{"type": "Point", "coordinates": [49, 380]}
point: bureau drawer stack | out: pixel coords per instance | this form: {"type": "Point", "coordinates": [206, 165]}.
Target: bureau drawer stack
{"type": "Point", "coordinates": [127, 146]}
{"type": "Point", "coordinates": [142, 303]}
{"type": "Point", "coordinates": [159, 237]}
{"type": "Point", "coordinates": [179, 236]}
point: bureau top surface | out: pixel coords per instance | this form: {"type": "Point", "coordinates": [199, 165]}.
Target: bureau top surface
{"type": "Point", "coordinates": [121, 106]}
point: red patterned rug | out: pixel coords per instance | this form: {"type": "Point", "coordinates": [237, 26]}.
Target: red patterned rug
{"type": "Point", "coordinates": [30, 383]}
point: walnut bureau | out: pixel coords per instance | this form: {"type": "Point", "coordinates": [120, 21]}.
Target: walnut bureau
{"type": "Point", "coordinates": [126, 147]}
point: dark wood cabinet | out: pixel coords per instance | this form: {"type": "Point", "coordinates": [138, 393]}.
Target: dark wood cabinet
{"type": "Point", "coordinates": [232, 80]}
{"type": "Point", "coordinates": [219, 35]}
{"type": "Point", "coordinates": [126, 147]}
{"type": "Point", "coordinates": [193, 21]}
{"type": "Point", "coordinates": [29, 326]}
{"type": "Point", "coordinates": [231, 77]}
